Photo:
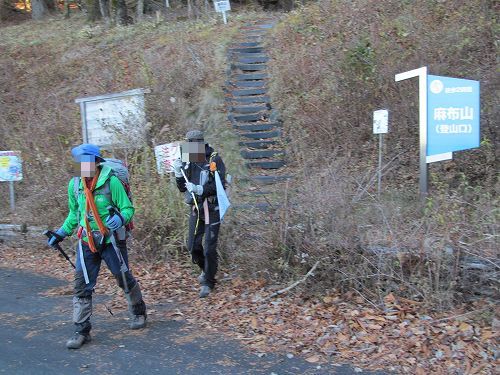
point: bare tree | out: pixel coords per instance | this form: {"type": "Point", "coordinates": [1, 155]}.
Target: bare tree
{"type": "Point", "coordinates": [41, 8]}
{"type": "Point", "coordinates": [104, 6]}
{"type": "Point", "coordinates": [121, 12]}
{"type": "Point", "coordinates": [140, 9]}
{"type": "Point", "coordinates": [93, 10]}
{"type": "Point", "coordinates": [5, 8]}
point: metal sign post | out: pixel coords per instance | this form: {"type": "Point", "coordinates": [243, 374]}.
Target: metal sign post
{"type": "Point", "coordinates": [222, 6]}
{"type": "Point", "coordinates": [421, 73]}
{"type": "Point", "coordinates": [448, 117]}
{"type": "Point", "coordinates": [12, 196]}
{"type": "Point", "coordinates": [380, 127]}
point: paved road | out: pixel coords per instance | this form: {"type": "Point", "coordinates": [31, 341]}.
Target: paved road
{"type": "Point", "coordinates": [34, 328]}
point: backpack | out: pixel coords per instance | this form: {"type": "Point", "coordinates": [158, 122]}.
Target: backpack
{"type": "Point", "coordinates": [119, 170]}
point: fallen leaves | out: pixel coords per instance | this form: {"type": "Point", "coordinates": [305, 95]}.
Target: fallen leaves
{"type": "Point", "coordinates": [401, 337]}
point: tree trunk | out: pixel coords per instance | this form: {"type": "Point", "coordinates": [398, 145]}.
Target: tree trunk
{"type": "Point", "coordinates": [104, 7]}
{"type": "Point", "coordinates": [140, 9]}
{"type": "Point", "coordinates": [121, 13]}
{"type": "Point", "coordinates": [93, 10]}
{"type": "Point", "coordinates": [5, 8]}
{"type": "Point", "coordinates": [39, 9]}
{"type": "Point", "coordinates": [190, 8]}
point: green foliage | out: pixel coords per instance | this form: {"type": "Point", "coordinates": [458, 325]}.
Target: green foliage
{"type": "Point", "coordinates": [361, 60]}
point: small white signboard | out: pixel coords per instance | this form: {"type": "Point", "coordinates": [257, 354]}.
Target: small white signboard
{"type": "Point", "coordinates": [10, 166]}
{"type": "Point", "coordinates": [222, 6]}
{"type": "Point", "coordinates": [117, 119]}
{"type": "Point", "coordinates": [165, 156]}
{"type": "Point", "coordinates": [380, 121]}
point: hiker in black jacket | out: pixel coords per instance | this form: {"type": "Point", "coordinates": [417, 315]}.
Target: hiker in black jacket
{"type": "Point", "coordinates": [198, 164]}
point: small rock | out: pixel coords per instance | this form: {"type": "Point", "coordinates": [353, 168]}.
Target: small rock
{"type": "Point", "coordinates": [357, 369]}
{"type": "Point", "coordinates": [289, 355]}
{"type": "Point", "coordinates": [121, 346]}
{"type": "Point", "coordinates": [260, 355]}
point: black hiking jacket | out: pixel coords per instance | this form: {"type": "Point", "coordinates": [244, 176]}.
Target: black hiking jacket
{"type": "Point", "coordinates": [193, 172]}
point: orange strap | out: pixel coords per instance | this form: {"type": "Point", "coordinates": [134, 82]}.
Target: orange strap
{"type": "Point", "coordinates": [90, 206]}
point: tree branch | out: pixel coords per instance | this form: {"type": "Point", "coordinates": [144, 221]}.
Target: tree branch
{"type": "Point", "coordinates": [294, 284]}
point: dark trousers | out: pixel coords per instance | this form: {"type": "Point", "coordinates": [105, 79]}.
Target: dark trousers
{"type": "Point", "coordinates": [82, 298]}
{"type": "Point", "coordinates": [202, 243]}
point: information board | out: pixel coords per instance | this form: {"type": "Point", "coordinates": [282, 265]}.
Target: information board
{"type": "Point", "coordinates": [452, 114]}
{"type": "Point", "coordinates": [10, 166]}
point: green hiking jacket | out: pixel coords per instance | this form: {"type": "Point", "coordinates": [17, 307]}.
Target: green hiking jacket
{"type": "Point", "coordinates": [119, 199]}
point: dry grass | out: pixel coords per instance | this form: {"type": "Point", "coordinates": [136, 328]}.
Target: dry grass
{"type": "Point", "coordinates": [329, 72]}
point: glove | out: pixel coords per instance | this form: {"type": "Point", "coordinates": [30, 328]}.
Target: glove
{"type": "Point", "coordinates": [58, 236]}
{"type": "Point", "coordinates": [177, 165]}
{"type": "Point", "coordinates": [192, 188]}
{"type": "Point", "coordinates": [114, 222]}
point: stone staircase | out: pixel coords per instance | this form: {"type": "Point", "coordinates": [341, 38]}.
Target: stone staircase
{"type": "Point", "coordinates": [250, 111]}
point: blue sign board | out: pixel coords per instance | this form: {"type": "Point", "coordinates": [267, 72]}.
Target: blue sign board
{"type": "Point", "coordinates": [452, 114]}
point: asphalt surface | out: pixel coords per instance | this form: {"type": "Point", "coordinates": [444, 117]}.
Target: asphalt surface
{"type": "Point", "coordinates": [34, 329]}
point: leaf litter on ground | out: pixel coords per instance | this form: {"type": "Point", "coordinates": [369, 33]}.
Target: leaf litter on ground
{"type": "Point", "coordinates": [402, 337]}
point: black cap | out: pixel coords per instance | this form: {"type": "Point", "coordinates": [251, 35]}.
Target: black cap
{"type": "Point", "coordinates": [194, 136]}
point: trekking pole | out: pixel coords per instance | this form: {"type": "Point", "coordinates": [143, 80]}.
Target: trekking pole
{"type": "Point", "coordinates": [197, 211]}
{"type": "Point", "coordinates": [49, 234]}
{"type": "Point", "coordinates": [56, 246]}
{"type": "Point", "coordinates": [123, 266]}
{"type": "Point", "coordinates": [192, 194]}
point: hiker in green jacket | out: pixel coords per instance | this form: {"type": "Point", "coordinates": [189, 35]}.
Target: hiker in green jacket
{"type": "Point", "coordinates": [100, 221]}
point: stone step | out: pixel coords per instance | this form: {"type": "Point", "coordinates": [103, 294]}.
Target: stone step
{"type": "Point", "coordinates": [250, 76]}
{"type": "Point", "coordinates": [247, 34]}
{"type": "Point", "coordinates": [260, 154]}
{"type": "Point", "coordinates": [258, 144]}
{"type": "Point", "coordinates": [262, 206]}
{"type": "Point", "coordinates": [262, 135]}
{"type": "Point", "coordinates": [250, 38]}
{"type": "Point", "coordinates": [248, 92]}
{"type": "Point", "coordinates": [245, 44]}
{"type": "Point", "coordinates": [255, 127]}
{"type": "Point", "coordinates": [250, 99]}
{"type": "Point", "coordinates": [254, 193]}
{"type": "Point", "coordinates": [247, 50]}
{"type": "Point", "coordinates": [252, 31]}
{"type": "Point", "coordinates": [266, 164]}
{"type": "Point", "coordinates": [252, 60]}
{"type": "Point", "coordinates": [249, 117]}
{"type": "Point", "coordinates": [267, 180]}
{"type": "Point", "coordinates": [248, 108]}
{"type": "Point", "coordinates": [245, 84]}
{"type": "Point", "coordinates": [243, 54]}
{"type": "Point", "coordinates": [249, 67]}
{"type": "Point", "coordinates": [265, 25]}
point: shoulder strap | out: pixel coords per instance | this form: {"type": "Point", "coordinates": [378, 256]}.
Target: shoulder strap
{"type": "Point", "coordinates": [212, 167]}
{"type": "Point", "coordinates": [76, 192]}
{"type": "Point", "coordinates": [212, 155]}
{"type": "Point", "coordinates": [105, 190]}
{"type": "Point", "coordinates": [76, 187]}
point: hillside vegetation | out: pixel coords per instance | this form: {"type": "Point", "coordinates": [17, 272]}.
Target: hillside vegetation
{"type": "Point", "coordinates": [333, 63]}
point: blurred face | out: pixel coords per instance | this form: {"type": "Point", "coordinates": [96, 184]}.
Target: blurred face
{"type": "Point", "coordinates": [193, 152]}
{"type": "Point", "coordinates": [87, 168]}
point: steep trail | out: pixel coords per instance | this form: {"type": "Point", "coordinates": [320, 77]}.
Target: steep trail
{"type": "Point", "coordinates": [249, 105]}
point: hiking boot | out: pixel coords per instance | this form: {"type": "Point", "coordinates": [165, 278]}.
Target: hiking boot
{"type": "Point", "coordinates": [201, 278]}
{"type": "Point", "coordinates": [205, 291]}
{"type": "Point", "coordinates": [77, 341]}
{"type": "Point", "coordinates": [138, 322]}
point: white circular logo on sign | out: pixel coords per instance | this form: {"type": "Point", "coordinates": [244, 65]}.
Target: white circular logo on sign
{"type": "Point", "coordinates": [436, 86]}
